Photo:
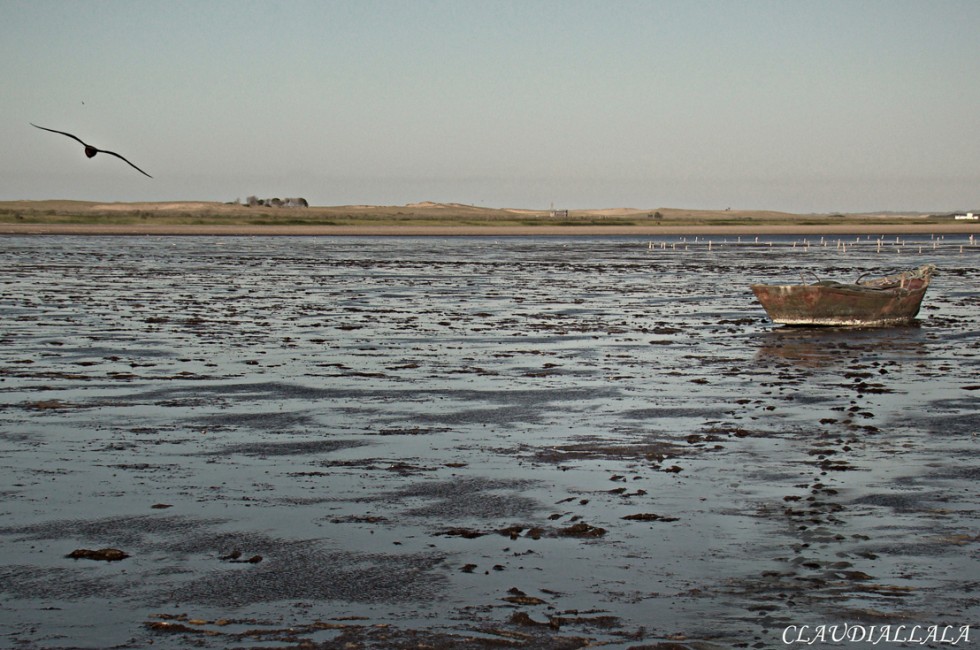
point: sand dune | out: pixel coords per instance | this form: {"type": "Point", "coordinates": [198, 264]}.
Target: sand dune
{"type": "Point", "coordinates": [433, 218]}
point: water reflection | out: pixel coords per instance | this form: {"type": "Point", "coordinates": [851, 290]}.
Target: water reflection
{"type": "Point", "coordinates": [821, 347]}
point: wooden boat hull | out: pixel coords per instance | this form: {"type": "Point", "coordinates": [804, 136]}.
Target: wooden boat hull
{"type": "Point", "coordinates": [890, 301]}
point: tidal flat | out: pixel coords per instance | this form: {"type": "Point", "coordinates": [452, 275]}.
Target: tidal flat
{"type": "Point", "coordinates": [477, 442]}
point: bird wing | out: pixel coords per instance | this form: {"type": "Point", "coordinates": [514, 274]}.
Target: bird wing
{"type": "Point", "coordinates": [113, 153]}
{"type": "Point", "coordinates": [61, 132]}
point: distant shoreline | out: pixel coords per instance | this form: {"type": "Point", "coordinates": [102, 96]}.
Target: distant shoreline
{"type": "Point", "coordinates": [64, 217]}
{"type": "Point", "coordinates": [477, 231]}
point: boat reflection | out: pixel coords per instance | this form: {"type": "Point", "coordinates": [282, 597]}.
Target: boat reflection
{"type": "Point", "coordinates": [815, 347]}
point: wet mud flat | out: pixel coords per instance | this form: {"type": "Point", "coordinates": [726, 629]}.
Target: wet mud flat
{"type": "Point", "coordinates": [476, 442]}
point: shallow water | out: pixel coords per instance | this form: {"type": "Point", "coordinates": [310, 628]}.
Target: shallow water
{"type": "Point", "coordinates": [443, 436]}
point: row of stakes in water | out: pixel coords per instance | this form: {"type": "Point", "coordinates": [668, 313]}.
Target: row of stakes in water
{"type": "Point", "coordinates": [841, 245]}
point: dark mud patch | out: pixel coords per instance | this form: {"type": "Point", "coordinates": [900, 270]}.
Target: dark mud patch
{"type": "Point", "coordinates": [30, 581]}
{"type": "Point", "coordinates": [501, 416]}
{"type": "Point", "coordinates": [288, 569]}
{"type": "Point", "coordinates": [969, 473]}
{"type": "Point", "coordinates": [479, 506]}
{"type": "Point", "coordinates": [266, 422]}
{"type": "Point", "coordinates": [302, 571]}
{"type": "Point", "coordinates": [138, 532]}
{"type": "Point", "coordinates": [579, 530]}
{"type": "Point", "coordinates": [173, 536]}
{"type": "Point", "coordinates": [967, 424]}
{"type": "Point", "coordinates": [525, 399]}
{"type": "Point", "coordinates": [250, 392]}
{"type": "Point", "coordinates": [411, 431]}
{"type": "Point", "coordinates": [901, 502]}
{"type": "Point", "coordinates": [654, 452]}
{"type": "Point", "coordinates": [519, 633]}
{"type": "Point", "coordinates": [146, 467]}
{"type": "Point", "coordinates": [402, 467]}
{"type": "Point", "coordinates": [295, 448]}
{"type": "Point", "coordinates": [671, 412]}
{"type": "Point", "coordinates": [467, 498]}
{"type": "Point", "coordinates": [934, 546]}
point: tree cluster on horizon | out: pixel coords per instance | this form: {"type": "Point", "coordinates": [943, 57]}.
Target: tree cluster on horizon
{"type": "Point", "coordinates": [296, 202]}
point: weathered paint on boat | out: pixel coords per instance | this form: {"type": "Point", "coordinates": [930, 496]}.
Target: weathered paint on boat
{"type": "Point", "coordinates": [888, 301]}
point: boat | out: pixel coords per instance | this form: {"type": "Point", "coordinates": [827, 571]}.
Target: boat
{"type": "Point", "coordinates": [879, 302]}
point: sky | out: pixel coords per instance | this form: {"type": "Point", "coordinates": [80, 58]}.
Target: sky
{"type": "Point", "coordinates": [795, 105]}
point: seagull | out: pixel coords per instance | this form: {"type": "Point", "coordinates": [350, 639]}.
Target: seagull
{"type": "Point", "coordinates": [90, 151]}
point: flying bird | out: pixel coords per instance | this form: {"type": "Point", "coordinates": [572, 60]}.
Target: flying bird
{"type": "Point", "coordinates": [90, 151]}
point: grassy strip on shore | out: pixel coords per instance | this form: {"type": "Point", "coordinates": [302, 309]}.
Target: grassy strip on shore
{"type": "Point", "coordinates": [79, 217]}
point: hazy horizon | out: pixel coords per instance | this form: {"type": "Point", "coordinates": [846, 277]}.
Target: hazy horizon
{"type": "Point", "coordinates": [857, 106]}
